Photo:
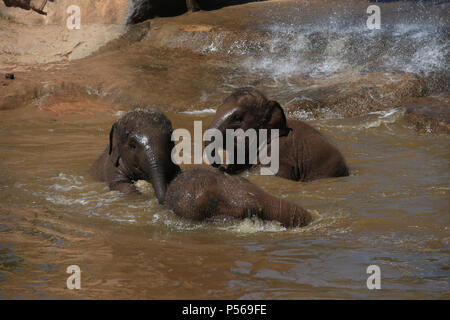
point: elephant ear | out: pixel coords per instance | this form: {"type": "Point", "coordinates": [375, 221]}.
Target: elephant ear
{"type": "Point", "coordinates": [114, 154]}
{"type": "Point", "coordinates": [276, 119]}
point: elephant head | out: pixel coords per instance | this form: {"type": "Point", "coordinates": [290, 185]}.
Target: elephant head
{"type": "Point", "coordinates": [140, 146]}
{"type": "Point", "coordinates": [248, 108]}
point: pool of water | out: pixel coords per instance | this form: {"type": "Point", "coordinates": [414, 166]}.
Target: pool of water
{"type": "Point", "coordinates": [392, 211]}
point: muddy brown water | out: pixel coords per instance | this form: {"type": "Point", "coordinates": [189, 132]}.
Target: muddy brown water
{"type": "Point", "coordinates": [392, 212]}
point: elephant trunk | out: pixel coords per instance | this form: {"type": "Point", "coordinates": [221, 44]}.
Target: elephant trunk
{"type": "Point", "coordinates": [289, 214]}
{"type": "Point", "coordinates": [159, 185]}
{"type": "Point", "coordinates": [156, 175]}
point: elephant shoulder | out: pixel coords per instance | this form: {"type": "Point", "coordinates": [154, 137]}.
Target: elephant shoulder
{"type": "Point", "coordinates": [301, 128]}
{"type": "Point", "coordinates": [193, 194]}
{"type": "Point", "coordinates": [197, 177]}
{"type": "Point", "coordinates": [317, 156]}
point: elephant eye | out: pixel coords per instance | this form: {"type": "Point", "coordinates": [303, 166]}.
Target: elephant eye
{"type": "Point", "coordinates": [238, 117]}
{"type": "Point", "coordinates": [132, 144]}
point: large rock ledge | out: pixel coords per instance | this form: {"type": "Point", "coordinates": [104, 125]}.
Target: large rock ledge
{"type": "Point", "coordinates": [147, 62]}
{"type": "Point", "coordinates": [373, 92]}
{"type": "Point", "coordinates": [355, 94]}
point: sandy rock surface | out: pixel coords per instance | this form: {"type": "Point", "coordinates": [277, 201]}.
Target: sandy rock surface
{"type": "Point", "coordinates": [146, 63]}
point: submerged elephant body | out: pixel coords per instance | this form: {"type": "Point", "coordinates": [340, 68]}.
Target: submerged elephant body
{"type": "Point", "coordinates": [304, 153]}
{"type": "Point", "coordinates": [200, 194]}
{"type": "Point", "coordinates": [140, 148]}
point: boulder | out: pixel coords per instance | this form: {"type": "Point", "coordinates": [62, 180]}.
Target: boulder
{"type": "Point", "coordinates": [429, 114]}
{"type": "Point", "coordinates": [354, 95]}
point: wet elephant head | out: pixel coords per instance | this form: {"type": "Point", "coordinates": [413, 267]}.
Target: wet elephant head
{"type": "Point", "coordinates": [140, 145]}
{"type": "Point", "coordinates": [248, 108]}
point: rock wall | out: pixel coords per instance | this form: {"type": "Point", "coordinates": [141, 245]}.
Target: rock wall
{"type": "Point", "coordinates": [104, 11]}
{"type": "Point", "coordinates": [92, 12]}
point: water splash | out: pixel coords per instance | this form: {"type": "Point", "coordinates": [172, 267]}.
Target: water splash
{"type": "Point", "coordinates": [203, 111]}
{"type": "Point", "coordinates": [370, 121]}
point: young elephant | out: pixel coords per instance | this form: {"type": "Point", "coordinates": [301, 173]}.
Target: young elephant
{"type": "Point", "coordinates": [305, 154]}
{"type": "Point", "coordinates": [199, 194]}
{"type": "Point", "coordinates": [140, 149]}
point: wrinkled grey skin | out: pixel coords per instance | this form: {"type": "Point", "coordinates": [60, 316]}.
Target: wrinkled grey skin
{"type": "Point", "coordinates": [305, 154]}
{"type": "Point", "coordinates": [138, 144]}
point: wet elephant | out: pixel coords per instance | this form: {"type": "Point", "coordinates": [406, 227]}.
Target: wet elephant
{"type": "Point", "coordinates": [200, 194]}
{"type": "Point", "coordinates": [304, 153]}
{"type": "Point", "coordinates": [140, 148]}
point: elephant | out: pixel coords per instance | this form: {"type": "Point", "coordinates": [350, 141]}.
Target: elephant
{"type": "Point", "coordinates": [201, 193]}
{"type": "Point", "coordinates": [140, 148]}
{"type": "Point", "coordinates": [305, 154]}
{"type": "Point", "coordinates": [137, 150]}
